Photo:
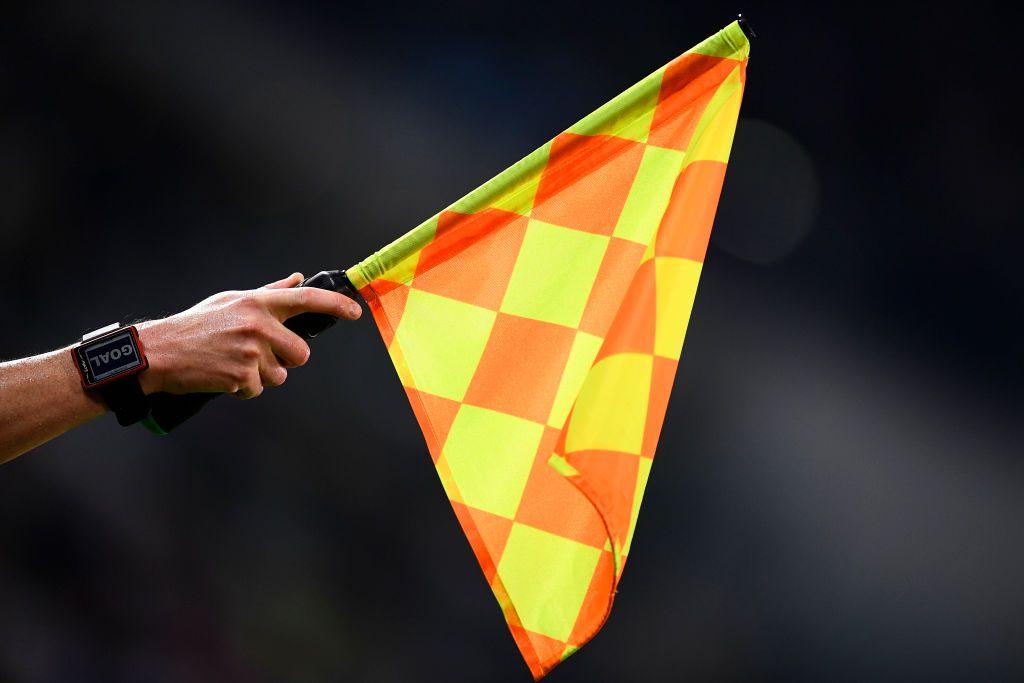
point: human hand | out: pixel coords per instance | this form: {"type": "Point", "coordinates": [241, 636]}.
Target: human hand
{"type": "Point", "coordinates": [235, 342]}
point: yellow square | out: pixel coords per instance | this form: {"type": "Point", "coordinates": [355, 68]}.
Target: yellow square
{"type": "Point", "coordinates": [611, 410]}
{"type": "Point", "coordinates": [547, 577]}
{"type": "Point", "coordinates": [649, 194]}
{"type": "Point", "coordinates": [441, 341]}
{"type": "Point", "coordinates": [489, 455]}
{"type": "Point", "coordinates": [675, 291]}
{"type": "Point", "coordinates": [712, 139]}
{"type": "Point", "coordinates": [554, 273]}
{"type": "Point", "coordinates": [581, 356]}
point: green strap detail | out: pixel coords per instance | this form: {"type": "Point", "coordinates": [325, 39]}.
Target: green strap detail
{"type": "Point", "coordinates": [149, 423]}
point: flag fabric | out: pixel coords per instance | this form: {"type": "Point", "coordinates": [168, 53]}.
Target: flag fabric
{"type": "Point", "coordinates": [536, 325]}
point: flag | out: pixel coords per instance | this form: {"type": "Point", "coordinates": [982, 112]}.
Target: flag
{"type": "Point", "coordinates": [536, 325]}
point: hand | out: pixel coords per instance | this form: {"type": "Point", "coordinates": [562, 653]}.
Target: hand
{"type": "Point", "coordinates": [235, 342]}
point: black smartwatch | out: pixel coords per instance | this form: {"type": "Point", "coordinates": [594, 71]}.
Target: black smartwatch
{"type": "Point", "coordinates": [109, 360]}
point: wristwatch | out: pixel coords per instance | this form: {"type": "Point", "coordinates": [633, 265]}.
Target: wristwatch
{"type": "Point", "coordinates": [109, 360]}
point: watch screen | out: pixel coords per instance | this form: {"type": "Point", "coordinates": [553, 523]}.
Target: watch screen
{"type": "Point", "coordinates": [112, 356]}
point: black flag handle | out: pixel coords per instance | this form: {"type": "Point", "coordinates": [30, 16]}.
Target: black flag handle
{"type": "Point", "coordinates": [168, 411]}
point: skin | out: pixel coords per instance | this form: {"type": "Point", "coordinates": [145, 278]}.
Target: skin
{"type": "Point", "coordinates": [232, 342]}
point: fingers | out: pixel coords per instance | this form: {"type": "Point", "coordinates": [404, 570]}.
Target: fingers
{"type": "Point", "coordinates": [268, 371]}
{"type": "Point", "coordinates": [268, 358]}
{"type": "Point", "coordinates": [286, 345]}
{"type": "Point", "coordinates": [271, 348]}
{"type": "Point", "coordinates": [285, 303]}
{"type": "Point", "coordinates": [287, 283]}
{"type": "Point", "coordinates": [272, 372]}
{"type": "Point", "coordinates": [251, 385]}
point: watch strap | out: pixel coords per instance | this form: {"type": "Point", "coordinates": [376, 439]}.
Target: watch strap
{"type": "Point", "coordinates": [126, 399]}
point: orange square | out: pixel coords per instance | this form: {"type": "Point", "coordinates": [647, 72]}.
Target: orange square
{"type": "Point", "coordinates": [686, 226]}
{"type": "Point", "coordinates": [387, 303]}
{"type": "Point", "coordinates": [552, 503]}
{"type": "Point", "coordinates": [633, 330]}
{"type": "Point", "coordinates": [618, 267]}
{"type": "Point", "coordinates": [610, 477]}
{"type": "Point", "coordinates": [487, 535]}
{"type": "Point", "coordinates": [586, 181]}
{"type": "Point", "coordinates": [521, 367]}
{"type": "Point", "coordinates": [662, 377]}
{"type": "Point", "coordinates": [435, 415]}
{"type": "Point", "coordinates": [687, 86]}
{"type": "Point", "coordinates": [472, 256]}
{"type": "Point", "coordinates": [542, 653]}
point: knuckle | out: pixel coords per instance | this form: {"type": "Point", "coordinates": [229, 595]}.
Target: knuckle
{"type": "Point", "coordinates": [304, 297]}
{"type": "Point", "coordinates": [249, 327]}
{"type": "Point", "coordinates": [249, 351]}
{"type": "Point", "coordinates": [246, 307]}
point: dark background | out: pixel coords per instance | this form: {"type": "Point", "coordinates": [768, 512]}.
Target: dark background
{"type": "Point", "coordinates": [838, 495]}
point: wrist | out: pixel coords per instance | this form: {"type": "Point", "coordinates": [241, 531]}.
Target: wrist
{"type": "Point", "coordinates": [152, 378]}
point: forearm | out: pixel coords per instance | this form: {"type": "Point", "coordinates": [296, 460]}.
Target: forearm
{"type": "Point", "coordinates": [40, 398]}
{"type": "Point", "coordinates": [233, 342]}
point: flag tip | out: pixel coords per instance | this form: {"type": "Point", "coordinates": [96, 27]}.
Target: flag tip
{"type": "Point", "coordinates": [745, 26]}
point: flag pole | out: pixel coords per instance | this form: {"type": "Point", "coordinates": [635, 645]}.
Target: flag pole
{"type": "Point", "coordinates": [745, 26]}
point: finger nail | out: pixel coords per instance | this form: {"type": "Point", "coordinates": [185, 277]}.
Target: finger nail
{"type": "Point", "coordinates": [354, 311]}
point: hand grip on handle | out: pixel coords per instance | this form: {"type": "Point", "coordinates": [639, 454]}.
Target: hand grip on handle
{"type": "Point", "coordinates": [168, 411]}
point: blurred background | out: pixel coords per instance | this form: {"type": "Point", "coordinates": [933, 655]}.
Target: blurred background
{"type": "Point", "coordinates": [839, 490]}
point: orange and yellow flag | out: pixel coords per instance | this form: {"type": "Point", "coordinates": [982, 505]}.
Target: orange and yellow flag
{"type": "Point", "coordinates": [536, 325]}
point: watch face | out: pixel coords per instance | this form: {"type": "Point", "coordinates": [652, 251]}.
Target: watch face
{"type": "Point", "coordinates": [109, 357]}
